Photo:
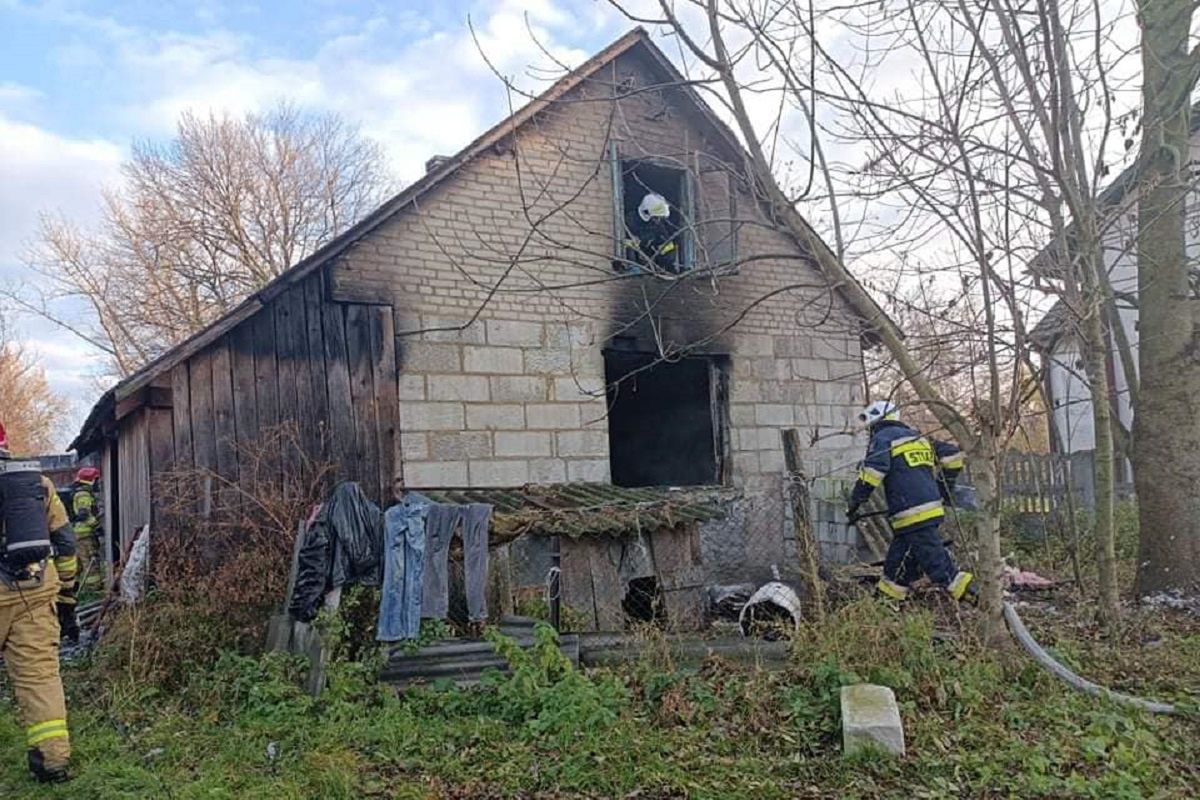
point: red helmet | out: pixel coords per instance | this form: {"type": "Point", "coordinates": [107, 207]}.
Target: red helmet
{"type": "Point", "coordinates": [87, 475]}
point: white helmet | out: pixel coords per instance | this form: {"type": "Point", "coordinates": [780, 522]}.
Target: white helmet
{"type": "Point", "coordinates": [654, 205]}
{"type": "Point", "coordinates": [879, 410]}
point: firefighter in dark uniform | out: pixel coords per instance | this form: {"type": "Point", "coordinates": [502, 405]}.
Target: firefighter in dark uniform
{"type": "Point", "coordinates": [37, 560]}
{"type": "Point", "coordinates": [917, 474]}
{"type": "Point", "coordinates": [653, 243]}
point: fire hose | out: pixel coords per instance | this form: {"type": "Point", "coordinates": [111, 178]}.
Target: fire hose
{"type": "Point", "coordinates": [1039, 654]}
{"type": "Point", "coordinates": [1017, 627]}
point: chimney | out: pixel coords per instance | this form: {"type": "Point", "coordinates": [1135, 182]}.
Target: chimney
{"type": "Point", "coordinates": [435, 162]}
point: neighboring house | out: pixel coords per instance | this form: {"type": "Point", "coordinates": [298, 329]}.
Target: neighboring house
{"type": "Point", "coordinates": [491, 327]}
{"type": "Point", "coordinates": [1071, 431]}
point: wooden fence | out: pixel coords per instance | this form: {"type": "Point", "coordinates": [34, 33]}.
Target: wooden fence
{"type": "Point", "coordinates": [1055, 482]}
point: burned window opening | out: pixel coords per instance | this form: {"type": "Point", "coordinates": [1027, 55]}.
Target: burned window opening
{"type": "Point", "coordinates": [657, 243]}
{"type": "Point", "coordinates": [668, 421]}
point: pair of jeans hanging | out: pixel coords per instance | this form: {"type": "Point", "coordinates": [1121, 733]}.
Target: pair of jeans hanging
{"type": "Point", "coordinates": [440, 525]}
{"type": "Point", "coordinates": [404, 549]}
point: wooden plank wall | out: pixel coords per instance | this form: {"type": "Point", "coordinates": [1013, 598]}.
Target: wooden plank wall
{"type": "Point", "coordinates": [133, 475]}
{"type": "Point", "coordinates": [327, 368]}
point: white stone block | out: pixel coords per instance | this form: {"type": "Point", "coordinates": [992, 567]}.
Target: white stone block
{"type": "Point", "coordinates": [871, 720]}
{"type": "Point", "coordinates": [514, 334]}
{"type": "Point", "coordinates": [548, 362]}
{"type": "Point", "coordinates": [553, 416]}
{"type": "Point", "coordinates": [496, 416]}
{"type": "Point", "coordinates": [458, 387]}
{"type": "Point", "coordinates": [435, 473]}
{"type": "Point", "coordinates": [431, 416]}
{"type": "Point", "coordinates": [411, 387]}
{"type": "Point", "coordinates": [508, 473]}
{"type": "Point", "coordinates": [522, 443]}
{"type": "Point", "coordinates": [773, 414]}
{"type": "Point", "coordinates": [590, 470]}
{"type": "Point", "coordinates": [414, 446]}
{"type": "Point", "coordinates": [582, 443]}
{"type": "Point", "coordinates": [578, 389]}
{"type": "Point", "coordinates": [547, 470]}
{"type": "Point", "coordinates": [427, 357]}
{"type": "Point", "coordinates": [493, 360]}
{"type": "Point", "coordinates": [519, 389]}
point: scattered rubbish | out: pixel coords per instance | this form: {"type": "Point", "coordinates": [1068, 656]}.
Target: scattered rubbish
{"type": "Point", "coordinates": [769, 610]}
{"type": "Point", "coordinates": [272, 751]}
{"type": "Point", "coordinates": [155, 752]}
{"type": "Point", "coordinates": [727, 601]}
{"type": "Point", "coordinates": [133, 577]}
{"type": "Point", "coordinates": [1174, 600]}
{"type": "Point", "coordinates": [1018, 579]}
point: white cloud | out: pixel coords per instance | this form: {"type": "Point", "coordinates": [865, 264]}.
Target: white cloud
{"type": "Point", "coordinates": [40, 170]}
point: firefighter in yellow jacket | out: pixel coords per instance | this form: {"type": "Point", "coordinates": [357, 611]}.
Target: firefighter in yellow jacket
{"type": "Point", "coordinates": [37, 559]}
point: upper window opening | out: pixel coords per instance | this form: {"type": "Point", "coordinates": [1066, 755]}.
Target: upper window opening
{"type": "Point", "coordinates": [656, 206]}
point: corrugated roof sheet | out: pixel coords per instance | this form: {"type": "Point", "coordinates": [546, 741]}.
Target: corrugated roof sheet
{"type": "Point", "coordinates": [589, 509]}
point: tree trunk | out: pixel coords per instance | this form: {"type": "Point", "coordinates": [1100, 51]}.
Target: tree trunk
{"type": "Point", "coordinates": [1096, 366]}
{"type": "Point", "coordinates": [1167, 423]}
{"type": "Point", "coordinates": [987, 530]}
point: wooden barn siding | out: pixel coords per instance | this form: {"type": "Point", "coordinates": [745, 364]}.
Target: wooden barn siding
{"type": "Point", "coordinates": [328, 368]}
{"type": "Point", "coordinates": [133, 476]}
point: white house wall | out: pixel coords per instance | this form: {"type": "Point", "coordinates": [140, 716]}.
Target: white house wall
{"type": "Point", "coordinates": [1072, 401]}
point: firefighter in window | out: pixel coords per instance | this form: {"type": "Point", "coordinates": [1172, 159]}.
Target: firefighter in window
{"type": "Point", "coordinates": [653, 242]}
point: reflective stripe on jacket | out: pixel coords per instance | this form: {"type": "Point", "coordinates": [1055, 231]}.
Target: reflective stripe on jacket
{"type": "Point", "coordinates": [915, 472]}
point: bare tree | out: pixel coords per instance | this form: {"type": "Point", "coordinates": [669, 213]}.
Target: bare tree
{"type": "Point", "coordinates": [199, 223]}
{"type": "Point", "coordinates": [990, 150]}
{"type": "Point", "coordinates": [1167, 424]}
{"type": "Point", "coordinates": [31, 411]}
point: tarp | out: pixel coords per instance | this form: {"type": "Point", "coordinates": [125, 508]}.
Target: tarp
{"type": "Point", "coordinates": [342, 546]}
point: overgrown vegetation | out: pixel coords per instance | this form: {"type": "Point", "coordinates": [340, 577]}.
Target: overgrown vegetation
{"type": "Point", "coordinates": [979, 723]}
{"type": "Point", "coordinates": [213, 587]}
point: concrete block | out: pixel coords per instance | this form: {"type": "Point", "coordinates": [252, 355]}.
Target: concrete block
{"type": "Point", "coordinates": [414, 446]}
{"type": "Point", "coordinates": [458, 387]}
{"type": "Point", "coordinates": [792, 347]}
{"type": "Point", "coordinates": [435, 473]}
{"type": "Point", "coordinates": [495, 416]}
{"type": "Point", "coordinates": [871, 720]}
{"type": "Point", "coordinates": [522, 443]}
{"type": "Point", "coordinates": [514, 334]}
{"type": "Point", "coordinates": [548, 362]}
{"type": "Point", "coordinates": [493, 360]}
{"type": "Point", "coordinates": [812, 368]}
{"type": "Point", "coordinates": [566, 335]}
{"type": "Point", "coordinates": [547, 470]}
{"type": "Point", "coordinates": [519, 389]}
{"type": "Point", "coordinates": [582, 443]}
{"type": "Point", "coordinates": [753, 344]}
{"type": "Point", "coordinates": [553, 416]}
{"type": "Point", "coordinates": [578, 389]}
{"type": "Point", "coordinates": [451, 329]}
{"type": "Point", "coordinates": [590, 470]}
{"type": "Point", "coordinates": [831, 347]}
{"type": "Point", "coordinates": [744, 390]}
{"type": "Point", "coordinates": [460, 446]}
{"type": "Point", "coordinates": [411, 387]}
{"type": "Point", "coordinates": [741, 414]}
{"type": "Point", "coordinates": [508, 473]}
{"type": "Point", "coordinates": [773, 414]}
{"type": "Point", "coordinates": [431, 416]}
{"type": "Point", "coordinates": [428, 357]}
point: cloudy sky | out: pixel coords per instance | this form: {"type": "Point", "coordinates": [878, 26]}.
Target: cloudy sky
{"type": "Point", "coordinates": [80, 81]}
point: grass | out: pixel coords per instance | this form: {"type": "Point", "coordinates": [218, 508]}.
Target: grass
{"type": "Point", "coordinates": [979, 724]}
